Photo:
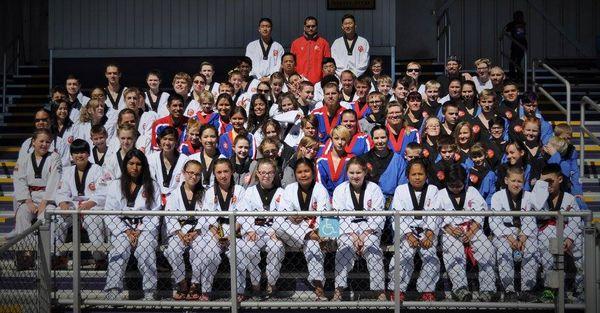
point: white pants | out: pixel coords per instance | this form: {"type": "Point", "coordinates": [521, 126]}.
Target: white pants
{"type": "Point", "coordinates": [293, 235]}
{"type": "Point", "coordinates": [455, 261]}
{"type": "Point", "coordinates": [144, 252]}
{"type": "Point", "coordinates": [94, 225]}
{"type": "Point", "coordinates": [23, 220]}
{"type": "Point", "coordinates": [209, 258]}
{"type": "Point", "coordinates": [346, 254]}
{"type": "Point", "coordinates": [529, 264]}
{"type": "Point", "coordinates": [174, 255]}
{"type": "Point", "coordinates": [275, 253]}
{"type": "Point", "coordinates": [430, 271]}
{"type": "Point", "coordinates": [547, 259]}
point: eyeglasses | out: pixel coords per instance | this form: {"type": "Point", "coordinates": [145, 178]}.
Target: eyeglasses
{"type": "Point", "coordinates": [199, 82]}
{"type": "Point", "coordinates": [192, 174]}
{"type": "Point", "coordinates": [270, 152]}
{"type": "Point", "coordinates": [376, 101]}
{"type": "Point", "coordinates": [308, 150]}
{"type": "Point", "coordinates": [263, 173]}
{"type": "Point", "coordinates": [413, 70]}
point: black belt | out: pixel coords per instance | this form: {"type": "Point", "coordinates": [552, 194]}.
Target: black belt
{"type": "Point", "coordinates": [358, 220]}
{"type": "Point", "coordinates": [189, 221]}
{"type": "Point", "coordinates": [223, 220]}
{"type": "Point", "coordinates": [259, 221]}
{"type": "Point", "coordinates": [417, 230]}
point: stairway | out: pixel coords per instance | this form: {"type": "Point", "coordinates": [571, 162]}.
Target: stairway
{"type": "Point", "coordinates": [25, 92]}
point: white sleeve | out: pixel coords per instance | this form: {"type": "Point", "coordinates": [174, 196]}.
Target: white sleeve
{"type": "Point", "coordinates": [497, 222]}
{"type": "Point", "coordinates": [63, 192]}
{"type": "Point", "coordinates": [53, 179]}
{"type": "Point", "coordinates": [338, 202]}
{"type": "Point", "coordinates": [363, 61]}
{"type": "Point", "coordinates": [173, 221]}
{"type": "Point", "coordinates": [376, 222]}
{"type": "Point", "coordinates": [432, 222]}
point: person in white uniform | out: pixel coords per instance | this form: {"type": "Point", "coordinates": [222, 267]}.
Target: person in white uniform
{"type": "Point", "coordinates": [81, 187]}
{"type": "Point", "coordinates": [224, 195]}
{"type": "Point", "coordinates": [417, 233]}
{"type": "Point", "coordinates": [134, 191]}
{"type": "Point", "coordinates": [359, 235]}
{"type": "Point", "coordinates": [351, 51]}
{"type": "Point", "coordinates": [559, 200]}
{"type": "Point", "coordinates": [301, 232]}
{"type": "Point", "coordinates": [257, 232]}
{"type": "Point", "coordinates": [515, 238]}
{"type": "Point", "coordinates": [264, 52]}
{"type": "Point", "coordinates": [187, 233]}
{"type": "Point", "coordinates": [463, 239]}
{"type": "Point", "coordinates": [113, 166]}
{"type": "Point", "coordinates": [35, 180]}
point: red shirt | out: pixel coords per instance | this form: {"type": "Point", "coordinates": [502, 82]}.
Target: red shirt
{"type": "Point", "coordinates": [309, 56]}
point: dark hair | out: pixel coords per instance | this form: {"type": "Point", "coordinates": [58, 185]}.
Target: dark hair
{"type": "Point", "coordinates": [59, 89]}
{"type": "Point", "coordinates": [289, 54]}
{"type": "Point", "coordinates": [415, 162]}
{"type": "Point", "coordinates": [174, 97]}
{"type": "Point", "coordinates": [198, 188]}
{"type": "Point", "coordinates": [551, 168]}
{"type": "Point", "coordinates": [329, 79]}
{"type": "Point", "coordinates": [54, 117]}
{"type": "Point", "coordinates": [497, 120]}
{"type": "Point", "coordinates": [205, 127]}
{"type": "Point", "coordinates": [414, 95]}
{"type": "Point", "coordinates": [98, 129]}
{"type": "Point", "coordinates": [272, 122]}
{"type": "Point", "coordinates": [455, 173]}
{"type": "Point", "coordinates": [227, 162]}
{"type": "Point", "coordinates": [446, 140]}
{"type": "Point", "coordinates": [328, 60]}
{"type": "Point", "coordinates": [169, 130]}
{"type": "Point", "coordinates": [510, 82]}
{"type": "Point", "coordinates": [358, 161]}
{"type": "Point", "coordinates": [350, 16]}
{"type": "Point", "coordinates": [41, 131]}
{"type": "Point", "coordinates": [515, 169]}
{"type": "Point", "coordinates": [243, 59]}
{"type": "Point", "coordinates": [450, 103]}
{"type": "Point", "coordinates": [306, 161]}
{"type": "Point", "coordinates": [154, 72]}
{"type": "Point", "coordinates": [266, 19]}
{"type": "Point", "coordinates": [379, 127]}
{"type": "Point", "coordinates": [311, 18]}
{"type": "Point", "coordinates": [79, 146]}
{"type": "Point", "coordinates": [145, 178]}
{"type": "Point", "coordinates": [254, 121]}
{"type": "Point", "coordinates": [127, 111]}
{"type": "Point", "coordinates": [227, 97]}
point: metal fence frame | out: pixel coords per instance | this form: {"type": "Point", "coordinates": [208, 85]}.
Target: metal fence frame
{"type": "Point", "coordinates": [559, 305]}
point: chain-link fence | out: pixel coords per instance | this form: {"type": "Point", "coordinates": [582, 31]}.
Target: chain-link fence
{"type": "Point", "coordinates": [322, 259]}
{"type": "Point", "coordinates": [23, 271]}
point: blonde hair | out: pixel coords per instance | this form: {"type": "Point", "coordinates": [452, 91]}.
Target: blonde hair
{"type": "Point", "coordinates": [206, 95]}
{"type": "Point", "coordinates": [341, 131]}
{"type": "Point", "coordinates": [562, 128]}
{"type": "Point", "coordinates": [88, 110]}
{"type": "Point", "coordinates": [193, 124]}
{"type": "Point", "coordinates": [487, 93]}
{"type": "Point", "coordinates": [559, 144]}
{"type": "Point", "coordinates": [432, 84]}
{"type": "Point", "coordinates": [184, 76]}
{"type": "Point", "coordinates": [384, 79]}
{"type": "Point", "coordinates": [485, 61]}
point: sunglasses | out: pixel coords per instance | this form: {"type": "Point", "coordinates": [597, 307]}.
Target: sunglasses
{"type": "Point", "coordinates": [413, 70]}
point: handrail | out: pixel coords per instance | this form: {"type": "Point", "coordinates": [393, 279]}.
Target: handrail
{"type": "Point", "coordinates": [7, 65]}
{"type": "Point", "coordinates": [443, 21]}
{"type": "Point", "coordinates": [525, 56]}
{"type": "Point", "coordinates": [582, 129]}
{"type": "Point", "coordinates": [567, 84]}
{"type": "Point", "coordinates": [559, 29]}
{"type": "Point", "coordinates": [17, 238]}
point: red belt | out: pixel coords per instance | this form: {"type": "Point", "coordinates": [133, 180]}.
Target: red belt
{"type": "Point", "coordinates": [37, 188]}
{"type": "Point", "coordinates": [549, 222]}
{"type": "Point", "coordinates": [163, 199]}
{"type": "Point", "coordinates": [469, 253]}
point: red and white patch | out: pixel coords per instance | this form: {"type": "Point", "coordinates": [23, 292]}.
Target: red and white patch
{"type": "Point", "coordinates": [361, 49]}
{"type": "Point", "coordinates": [470, 204]}
{"type": "Point", "coordinates": [316, 48]}
{"type": "Point", "coordinates": [278, 199]}
{"type": "Point", "coordinates": [92, 186]}
{"type": "Point", "coordinates": [275, 53]}
{"type": "Point", "coordinates": [190, 112]}
{"type": "Point", "coordinates": [314, 205]}
{"type": "Point", "coordinates": [440, 175]}
{"type": "Point", "coordinates": [425, 114]}
{"type": "Point", "coordinates": [473, 178]}
{"type": "Point", "coordinates": [425, 153]}
{"type": "Point", "coordinates": [225, 145]}
{"type": "Point", "coordinates": [508, 114]}
{"type": "Point", "coordinates": [144, 194]}
{"type": "Point", "coordinates": [476, 129]}
{"type": "Point", "coordinates": [178, 177]}
{"type": "Point", "coordinates": [369, 166]}
{"type": "Point", "coordinates": [233, 199]}
{"type": "Point", "coordinates": [456, 157]}
{"type": "Point", "coordinates": [518, 128]}
{"type": "Point", "coordinates": [369, 204]}
{"type": "Point", "coordinates": [490, 153]}
{"type": "Point", "coordinates": [215, 200]}
{"type": "Point", "coordinates": [70, 139]}
{"type": "Point", "coordinates": [461, 113]}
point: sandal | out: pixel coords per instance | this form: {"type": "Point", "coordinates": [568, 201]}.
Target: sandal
{"type": "Point", "coordinates": [194, 294]}
{"type": "Point", "coordinates": [181, 292]}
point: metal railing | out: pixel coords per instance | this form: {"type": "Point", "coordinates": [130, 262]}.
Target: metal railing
{"type": "Point", "coordinates": [542, 64]}
{"type": "Point", "coordinates": [443, 28]}
{"type": "Point", "coordinates": [559, 305]}
{"type": "Point", "coordinates": [583, 130]}
{"type": "Point", "coordinates": [26, 289]}
{"type": "Point", "coordinates": [11, 56]}
{"type": "Point", "coordinates": [503, 55]}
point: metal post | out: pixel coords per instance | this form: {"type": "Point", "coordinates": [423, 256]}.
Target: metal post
{"type": "Point", "coordinates": [233, 262]}
{"type": "Point", "coordinates": [581, 139]}
{"type": "Point", "coordinates": [589, 266]}
{"type": "Point", "coordinates": [525, 71]}
{"type": "Point", "coordinates": [396, 263]}
{"type": "Point", "coordinates": [43, 255]}
{"type": "Point", "coordinates": [50, 69]}
{"type": "Point", "coordinates": [533, 64]}
{"type": "Point", "coordinates": [502, 50]}
{"type": "Point", "coordinates": [76, 264]}
{"type": "Point", "coordinates": [568, 103]}
{"type": "Point", "coordinates": [18, 55]}
{"type": "Point", "coordinates": [448, 36]}
{"type": "Point", "coordinates": [4, 83]}
{"type": "Point", "coordinates": [393, 65]}
{"type": "Point", "coordinates": [559, 265]}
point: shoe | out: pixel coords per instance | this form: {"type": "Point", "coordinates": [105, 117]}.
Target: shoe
{"type": "Point", "coordinates": [393, 296]}
{"type": "Point", "coordinates": [269, 293]}
{"type": "Point", "coordinates": [337, 295]}
{"type": "Point", "coordinates": [241, 298]}
{"type": "Point", "coordinates": [113, 295]}
{"type": "Point", "coordinates": [181, 292]}
{"type": "Point", "coordinates": [510, 296]}
{"type": "Point", "coordinates": [527, 296]}
{"type": "Point", "coordinates": [547, 296]}
{"type": "Point", "coordinates": [60, 263]}
{"type": "Point", "coordinates": [204, 297]}
{"type": "Point", "coordinates": [487, 296]}
{"type": "Point", "coordinates": [462, 294]}
{"type": "Point", "coordinates": [428, 297]}
{"type": "Point", "coordinates": [194, 293]}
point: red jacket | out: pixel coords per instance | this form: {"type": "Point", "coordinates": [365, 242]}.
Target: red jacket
{"type": "Point", "coordinates": [309, 55]}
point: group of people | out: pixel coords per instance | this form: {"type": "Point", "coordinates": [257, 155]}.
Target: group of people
{"type": "Point", "coordinates": [308, 130]}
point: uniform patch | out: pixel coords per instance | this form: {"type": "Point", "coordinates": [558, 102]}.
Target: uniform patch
{"type": "Point", "coordinates": [490, 153]}
{"type": "Point", "coordinates": [440, 175]}
{"type": "Point", "coordinates": [361, 49]}
{"type": "Point", "coordinates": [425, 153]}
{"type": "Point", "coordinates": [508, 114]}
{"type": "Point", "coordinates": [144, 195]}
{"type": "Point", "coordinates": [461, 113]}
{"type": "Point", "coordinates": [275, 53]}
{"type": "Point", "coordinates": [518, 128]}
{"type": "Point", "coordinates": [190, 112]}
{"type": "Point", "coordinates": [476, 129]}
{"type": "Point", "coordinates": [314, 205]}
{"type": "Point", "coordinates": [233, 199]}
{"type": "Point", "coordinates": [369, 204]}
{"type": "Point", "coordinates": [473, 178]}
{"type": "Point", "coordinates": [92, 186]}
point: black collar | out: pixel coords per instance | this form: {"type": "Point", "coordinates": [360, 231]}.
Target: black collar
{"type": "Point", "coordinates": [418, 205]}
{"type": "Point", "coordinates": [114, 102]}
{"type": "Point", "coordinates": [167, 175]}
{"type": "Point", "coordinates": [458, 206]}
{"type": "Point", "coordinates": [37, 168]}
{"type": "Point", "coordinates": [98, 160]}
{"type": "Point", "coordinates": [350, 48]}
{"type": "Point", "coordinates": [266, 196]}
{"type": "Point", "coordinates": [265, 51]}
{"type": "Point", "coordinates": [131, 197]}
{"type": "Point", "coordinates": [305, 204]}
{"type": "Point", "coordinates": [224, 202]}
{"type": "Point", "coordinates": [80, 183]}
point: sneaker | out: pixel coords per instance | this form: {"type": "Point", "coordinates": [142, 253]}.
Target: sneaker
{"type": "Point", "coordinates": [113, 295]}
{"type": "Point", "coordinates": [428, 297]}
{"type": "Point", "coordinates": [149, 296]}
{"type": "Point", "coordinates": [510, 296]}
{"type": "Point", "coordinates": [462, 294]}
{"type": "Point", "coordinates": [393, 297]}
{"type": "Point", "coordinates": [487, 296]}
{"type": "Point", "coordinates": [547, 296]}
{"type": "Point", "coordinates": [527, 296]}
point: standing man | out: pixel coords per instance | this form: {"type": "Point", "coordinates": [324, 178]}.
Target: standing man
{"type": "Point", "coordinates": [310, 49]}
{"type": "Point", "coordinates": [351, 51]}
{"type": "Point", "coordinates": [264, 52]}
{"type": "Point", "coordinates": [114, 90]}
